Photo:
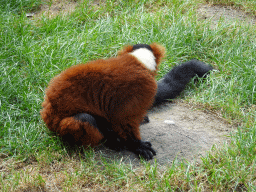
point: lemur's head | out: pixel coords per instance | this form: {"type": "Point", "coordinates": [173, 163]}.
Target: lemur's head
{"type": "Point", "coordinates": [150, 55]}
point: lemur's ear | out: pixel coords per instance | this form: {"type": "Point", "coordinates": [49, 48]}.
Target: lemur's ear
{"type": "Point", "coordinates": [158, 51]}
{"type": "Point", "coordinates": [126, 49]}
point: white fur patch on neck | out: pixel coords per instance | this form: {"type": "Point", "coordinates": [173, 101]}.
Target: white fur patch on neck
{"type": "Point", "coordinates": [146, 57]}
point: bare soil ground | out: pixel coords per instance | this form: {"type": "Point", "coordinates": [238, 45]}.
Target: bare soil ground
{"type": "Point", "coordinates": [57, 7]}
{"type": "Point", "coordinates": [215, 12]}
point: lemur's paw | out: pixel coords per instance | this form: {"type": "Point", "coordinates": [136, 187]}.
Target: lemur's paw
{"type": "Point", "coordinates": [145, 151]}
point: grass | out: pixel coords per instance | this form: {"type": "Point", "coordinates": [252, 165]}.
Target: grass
{"type": "Point", "coordinates": [34, 51]}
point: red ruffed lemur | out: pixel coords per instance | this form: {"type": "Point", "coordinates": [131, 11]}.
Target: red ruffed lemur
{"type": "Point", "coordinates": [107, 99]}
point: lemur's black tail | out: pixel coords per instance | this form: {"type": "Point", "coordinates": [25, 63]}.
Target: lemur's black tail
{"type": "Point", "coordinates": [174, 82]}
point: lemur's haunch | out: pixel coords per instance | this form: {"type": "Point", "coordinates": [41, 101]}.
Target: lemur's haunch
{"type": "Point", "coordinates": [108, 99]}
{"type": "Point", "coordinates": [105, 99]}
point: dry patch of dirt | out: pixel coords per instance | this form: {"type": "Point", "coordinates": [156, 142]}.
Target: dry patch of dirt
{"type": "Point", "coordinates": [55, 8]}
{"type": "Point", "coordinates": [215, 12]}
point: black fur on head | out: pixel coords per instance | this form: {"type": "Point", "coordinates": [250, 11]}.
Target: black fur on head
{"type": "Point", "coordinates": [138, 46]}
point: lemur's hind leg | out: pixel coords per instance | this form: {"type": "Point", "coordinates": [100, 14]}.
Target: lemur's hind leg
{"type": "Point", "coordinates": [85, 117]}
{"type": "Point", "coordinates": [111, 139]}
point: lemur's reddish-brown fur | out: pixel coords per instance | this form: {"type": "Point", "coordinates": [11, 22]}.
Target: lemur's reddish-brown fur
{"type": "Point", "coordinates": [119, 89]}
